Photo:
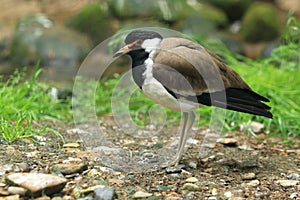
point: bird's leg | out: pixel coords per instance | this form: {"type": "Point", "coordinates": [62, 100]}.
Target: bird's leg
{"type": "Point", "coordinates": [188, 120]}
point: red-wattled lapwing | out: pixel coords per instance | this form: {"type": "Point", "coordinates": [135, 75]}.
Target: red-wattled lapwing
{"type": "Point", "coordinates": [179, 74]}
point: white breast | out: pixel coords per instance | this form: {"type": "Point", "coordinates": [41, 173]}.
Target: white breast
{"type": "Point", "coordinates": [153, 89]}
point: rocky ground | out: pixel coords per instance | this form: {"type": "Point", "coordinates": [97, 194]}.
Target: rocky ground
{"type": "Point", "coordinates": [263, 170]}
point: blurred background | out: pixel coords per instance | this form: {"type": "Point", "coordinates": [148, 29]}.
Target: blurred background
{"type": "Point", "coordinates": [60, 33]}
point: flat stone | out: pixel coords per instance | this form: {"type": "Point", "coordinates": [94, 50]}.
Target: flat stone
{"type": "Point", "coordinates": [56, 198]}
{"type": "Point", "coordinates": [228, 141]}
{"type": "Point", "coordinates": [141, 194]}
{"type": "Point", "coordinates": [248, 176]}
{"type": "Point", "coordinates": [70, 168]}
{"type": "Point", "coordinates": [17, 190]}
{"type": "Point", "coordinates": [71, 145]}
{"type": "Point", "coordinates": [256, 127]}
{"type": "Point", "coordinates": [3, 192]}
{"type": "Point", "coordinates": [174, 169]}
{"type": "Point", "coordinates": [43, 198]}
{"type": "Point", "coordinates": [11, 197]}
{"type": "Point", "coordinates": [228, 194]}
{"type": "Point", "coordinates": [190, 187]}
{"type": "Point", "coordinates": [253, 183]}
{"type": "Point", "coordinates": [294, 176]}
{"type": "Point", "coordinates": [104, 193]}
{"type": "Point", "coordinates": [287, 183]}
{"type": "Point", "coordinates": [36, 183]}
{"type": "Point", "coordinates": [191, 180]}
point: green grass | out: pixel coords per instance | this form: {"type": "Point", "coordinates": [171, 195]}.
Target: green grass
{"type": "Point", "coordinates": [24, 104]}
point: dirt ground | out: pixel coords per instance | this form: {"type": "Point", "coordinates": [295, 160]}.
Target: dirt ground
{"type": "Point", "coordinates": [230, 172]}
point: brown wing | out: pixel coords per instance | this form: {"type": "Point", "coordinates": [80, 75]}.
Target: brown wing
{"type": "Point", "coordinates": [180, 61]}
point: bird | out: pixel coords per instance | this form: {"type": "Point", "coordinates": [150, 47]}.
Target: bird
{"type": "Point", "coordinates": [180, 74]}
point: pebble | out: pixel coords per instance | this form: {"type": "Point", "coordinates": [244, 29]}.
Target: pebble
{"type": "Point", "coordinates": [228, 141]}
{"type": "Point", "coordinates": [294, 176]}
{"type": "Point", "coordinates": [191, 180]}
{"type": "Point", "coordinates": [67, 197]}
{"type": "Point", "coordinates": [3, 192]}
{"type": "Point", "coordinates": [248, 176]}
{"type": "Point", "coordinates": [174, 169]}
{"type": "Point", "coordinates": [86, 198]}
{"type": "Point", "coordinates": [192, 164]}
{"type": "Point", "coordinates": [70, 168]}
{"type": "Point", "coordinates": [287, 183]}
{"type": "Point", "coordinates": [212, 198]}
{"type": "Point", "coordinates": [253, 183]}
{"type": "Point", "coordinates": [17, 190]}
{"type": "Point", "coordinates": [71, 145]}
{"type": "Point", "coordinates": [11, 197]}
{"type": "Point", "coordinates": [36, 183]}
{"type": "Point", "coordinates": [141, 194]}
{"type": "Point", "coordinates": [294, 195]}
{"type": "Point", "coordinates": [104, 193]}
{"type": "Point", "coordinates": [56, 198]}
{"type": "Point", "coordinates": [256, 127]}
{"type": "Point", "coordinates": [43, 198]}
{"type": "Point", "coordinates": [190, 187]}
{"type": "Point", "coordinates": [79, 193]}
{"type": "Point", "coordinates": [228, 194]}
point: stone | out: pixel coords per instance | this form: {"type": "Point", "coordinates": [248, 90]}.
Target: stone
{"type": "Point", "coordinates": [104, 193]}
{"type": "Point", "coordinates": [256, 127]}
{"type": "Point", "coordinates": [253, 183]}
{"type": "Point", "coordinates": [43, 198]}
{"type": "Point", "coordinates": [190, 187]}
{"type": "Point", "coordinates": [174, 169]}
{"type": "Point", "coordinates": [3, 192]}
{"type": "Point", "coordinates": [70, 168]}
{"type": "Point", "coordinates": [36, 183]}
{"type": "Point", "coordinates": [57, 198]}
{"type": "Point", "coordinates": [228, 194]}
{"type": "Point", "coordinates": [248, 176]}
{"type": "Point", "coordinates": [287, 183]}
{"type": "Point", "coordinates": [11, 197]}
{"type": "Point", "coordinates": [260, 23]}
{"type": "Point", "coordinates": [71, 145]}
{"type": "Point", "coordinates": [80, 193]}
{"type": "Point", "coordinates": [228, 141]}
{"type": "Point", "coordinates": [294, 176]}
{"type": "Point", "coordinates": [141, 194]}
{"type": "Point", "coordinates": [17, 190]}
{"type": "Point", "coordinates": [191, 180]}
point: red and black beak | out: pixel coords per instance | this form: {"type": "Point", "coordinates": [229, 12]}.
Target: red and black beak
{"type": "Point", "coordinates": [127, 48]}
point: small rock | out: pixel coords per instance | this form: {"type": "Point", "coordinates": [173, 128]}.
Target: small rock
{"type": "Point", "coordinates": [104, 193]}
{"type": "Point", "coordinates": [287, 183]}
{"type": "Point", "coordinates": [294, 195]}
{"type": "Point", "coordinates": [192, 164]}
{"type": "Point", "coordinates": [70, 168]}
{"type": "Point", "coordinates": [256, 127]}
{"type": "Point", "coordinates": [214, 191]}
{"type": "Point", "coordinates": [71, 145]}
{"type": "Point", "coordinates": [248, 176]}
{"type": "Point", "coordinates": [259, 195]}
{"type": "Point", "coordinates": [253, 183]}
{"type": "Point", "coordinates": [43, 198]}
{"type": "Point", "coordinates": [86, 198]}
{"type": "Point", "coordinates": [57, 198]}
{"type": "Point", "coordinates": [37, 183]}
{"type": "Point", "coordinates": [212, 198]}
{"type": "Point", "coordinates": [11, 197]}
{"type": "Point", "coordinates": [17, 190]}
{"type": "Point", "coordinates": [191, 180]}
{"type": "Point", "coordinates": [190, 187]}
{"type": "Point", "coordinates": [228, 194]}
{"type": "Point", "coordinates": [228, 141]}
{"type": "Point", "coordinates": [141, 194]}
{"type": "Point", "coordinates": [93, 173]}
{"type": "Point", "coordinates": [67, 197]}
{"type": "Point", "coordinates": [3, 192]}
{"type": "Point", "coordinates": [294, 176]}
{"type": "Point", "coordinates": [174, 169]}
{"type": "Point", "coordinates": [79, 193]}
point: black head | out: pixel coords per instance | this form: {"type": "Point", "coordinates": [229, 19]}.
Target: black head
{"type": "Point", "coordinates": [134, 41]}
{"type": "Point", "coordinates": [141, 35]}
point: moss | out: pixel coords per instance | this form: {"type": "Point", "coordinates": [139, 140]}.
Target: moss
{"type": "Point", "coordinates": [234, 9]}
{"type": "Point", "coordinates": [260, 23]}
{"type": "Point", "coordinates": [92, 20]}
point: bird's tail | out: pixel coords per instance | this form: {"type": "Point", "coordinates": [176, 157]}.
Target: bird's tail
{"type": "Point", "coordinates": [242, 100]}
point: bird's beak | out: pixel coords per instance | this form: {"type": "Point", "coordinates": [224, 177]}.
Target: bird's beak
{"type": "Point", "coordinates": [126, 49]}
{"type": "Point", "coordinates": [122, 51]}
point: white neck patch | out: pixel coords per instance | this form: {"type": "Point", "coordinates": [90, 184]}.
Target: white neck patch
{"type": "Point", "coordinates": [151, 44]}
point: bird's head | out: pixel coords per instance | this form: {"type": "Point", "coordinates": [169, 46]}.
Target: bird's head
{"type": "Point", "coordinates": [140, 39]}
